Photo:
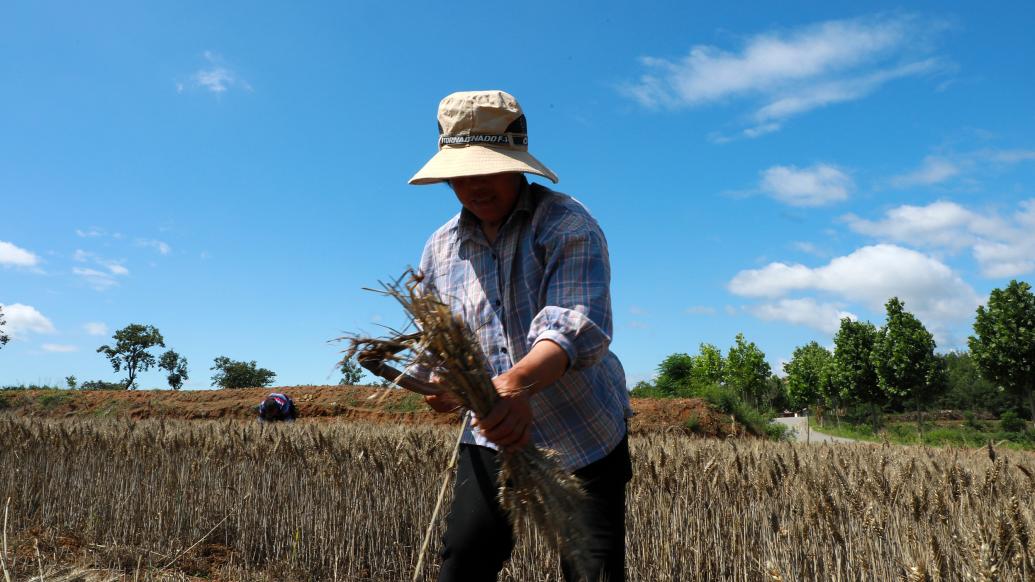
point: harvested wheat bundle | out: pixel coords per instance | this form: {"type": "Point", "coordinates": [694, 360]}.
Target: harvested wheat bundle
{"type": "Point", "coordinates": [534, 485]}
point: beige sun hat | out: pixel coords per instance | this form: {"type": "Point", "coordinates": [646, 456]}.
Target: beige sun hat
{"type": "Point", "coordinates": [480, 132]}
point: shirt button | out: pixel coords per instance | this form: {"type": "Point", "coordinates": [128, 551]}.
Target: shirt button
{"type": "Point", "coordinates": [504, 350]}
{"type": "Point", "coordinates": [498, 303]}
{"type": "Point", "coordinates": [494, 256]}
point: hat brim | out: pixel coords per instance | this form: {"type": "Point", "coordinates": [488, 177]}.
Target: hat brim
{"type": "Point", "coordinates": [478, 160]}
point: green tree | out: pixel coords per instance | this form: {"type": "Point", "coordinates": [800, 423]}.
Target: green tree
{"type": "Point", "coordinates": [709, 365]}
{"type": "Point", "coordinates": [675, 374]}
{"type": "Point", "coordinates": [175, 366]}
{"type": "Point", "coordinates": [3, 322]}
{"type": "Point", "coordinates": [967, 389]}
{"type": "Point", "coordinates": [903, 357]}
{"type": "Point", "coordinates": [747, 371]}
{"type": "Point", "coordinates": [806, 373]}
{"type": "Point", "coordinates": [853, 373]}
{"type": "Point", "coordinates": [234, 374]}
{"type": "Point", "coordinates": [71, 382]}
{"type": "Point", "coordinates": [131, 350]}
{"type": "Point", "coordinates": [351, 372]}
{"type": "Point", "coordinates": [1003, 343]}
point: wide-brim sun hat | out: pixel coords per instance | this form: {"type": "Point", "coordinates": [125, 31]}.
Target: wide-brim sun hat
{"type": "Point", "coordinates": [480, 132]}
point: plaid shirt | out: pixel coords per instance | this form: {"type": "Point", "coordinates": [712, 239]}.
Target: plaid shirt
{"type": "Point", "coordinates": [546, 277]}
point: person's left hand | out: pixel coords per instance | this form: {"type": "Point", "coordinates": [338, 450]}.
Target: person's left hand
{"type": "Point", "coordinates": [509, 423]}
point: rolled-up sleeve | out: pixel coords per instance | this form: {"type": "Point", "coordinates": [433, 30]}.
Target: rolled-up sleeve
{"type": "Point", "coordinates": [576, 297]}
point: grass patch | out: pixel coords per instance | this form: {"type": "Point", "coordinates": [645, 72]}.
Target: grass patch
{"type": "Point", "coordinates": [410, 402]}
{"type": "Point", "coordinates": [54, 398]}
{"type": "Point", "coordinates": [964, 434]}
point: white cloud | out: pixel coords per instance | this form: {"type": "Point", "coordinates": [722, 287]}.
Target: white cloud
{"type": "Point", "coordinates": [91, 232]}
{"type": "Point", "coordinates": [700, 310]}
{"type": "Point", "coordinates": [934, 170]}
{"type": "Point", "coordinates": [637, 310]}
{"type": "Point", "coordinates": [825, 317]}
{"type": "Point", "coordinates": [160, 246]}
{"type": "Point", "coordinates": [99, 280]}
{"type": "Point", "coordinates": [59, 348]}
{"type": "Point", "coordinates": [1003, 247]}
{"type": "Point", "coordinates": [14, 256]}
{"type": "Point", "coordinates": [95, 328]}
{"type": "Point", "coordinates": [870, 276]}
{"type": "Point", "coordinates": [807, 247]}
{"type": "Point", "coordinates": [25, 319]}
{"type": "Point", "coordinates": [215, 77]}
{"type": "Point", "coordinates": [787, 73]}
{"type": "Point", "coordinates": [813, 186]}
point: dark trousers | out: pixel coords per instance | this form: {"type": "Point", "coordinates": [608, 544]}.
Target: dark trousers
{"type": "Point", "coordinates": [478, 537]}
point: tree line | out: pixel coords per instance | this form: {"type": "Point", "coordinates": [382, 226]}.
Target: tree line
{"type": "Point", "coordinates": [896, 365]}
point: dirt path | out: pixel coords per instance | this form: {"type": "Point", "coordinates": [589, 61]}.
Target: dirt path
{"type": "Point", "coordinates": [799, 425]}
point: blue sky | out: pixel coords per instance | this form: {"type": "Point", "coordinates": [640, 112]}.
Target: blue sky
{"type": "Point", "coordinates": [234, 173]}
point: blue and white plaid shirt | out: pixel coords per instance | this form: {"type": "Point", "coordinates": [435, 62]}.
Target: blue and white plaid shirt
{"type": "Point", "coordinates": [546, 277]}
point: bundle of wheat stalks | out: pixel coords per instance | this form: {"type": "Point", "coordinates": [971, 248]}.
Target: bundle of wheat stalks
{"type": "Point", "coordinates": [534, 488]}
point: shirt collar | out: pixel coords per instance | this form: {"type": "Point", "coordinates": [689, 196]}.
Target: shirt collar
{"type": "Point", "coordinates": [469, 227]}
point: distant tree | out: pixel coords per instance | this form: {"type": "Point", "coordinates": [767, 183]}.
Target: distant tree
{"type": "Point", "coordinates": [829, 391]}
{"type": "Point", "coordinates": [351, 372]}
{"type": "Point", "coordinates": [776, 393]}
{"type": "Point", "coordinates": [3, 323]}
{"type": "Point", "coordinates": [806, 373]}
{"type": "Point", "coordinates": [70, 381]}
{"type": "Point", "coordinates": [675, 374]}
{"type": "Point", "coordinates": [853, 374]}
{"type": "Point", "coordinates": [102, 385]}
{"type": "Point", "coordinates": [1003, 343]}
{"type": "Point", "coordinates": [234, 374]}
{"type": "Point", "coordinates": [903, 357]}
{"type": "Point", "coordinates": [747, 371]}
{"type": "Point", "coordinates": [131, 350]}
{"type": "Point", "coordinates": [709, 365]}
{"type": "Point", "coordinates": [967, 389]}
{"type": "Point", "coordinates": [175, 366]}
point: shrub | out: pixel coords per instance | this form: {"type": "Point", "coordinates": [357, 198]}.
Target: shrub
{"type": "Point", "coordinates": [1010, 422]}
{"type": "Point", "coordinates": [102, 385]}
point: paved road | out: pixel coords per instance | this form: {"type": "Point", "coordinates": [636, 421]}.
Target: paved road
{"type": "Point", "coordinates": [798, 425]}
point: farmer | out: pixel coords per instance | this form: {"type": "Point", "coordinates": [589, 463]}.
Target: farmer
{"type": "Point", "coordinates": [527, 269]}
{"type": "Point", "coordinates": [277, 407]}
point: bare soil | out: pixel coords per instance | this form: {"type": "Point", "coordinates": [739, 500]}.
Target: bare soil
{"type": "Point", "coordinates": [317, 404]}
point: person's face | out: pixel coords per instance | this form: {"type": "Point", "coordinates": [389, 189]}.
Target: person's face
{"type": "Point", "coordinates": [490, 197]}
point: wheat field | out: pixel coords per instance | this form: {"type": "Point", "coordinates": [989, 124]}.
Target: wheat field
{"type": "Point", "coordinates": [324, 501]}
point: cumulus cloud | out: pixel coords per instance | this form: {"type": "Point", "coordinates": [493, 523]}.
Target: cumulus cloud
{"type": "Point", "coordinates": [95, 328]}
{"type": "Point", "coordinates": [787, 73]}
{"type": "Point", "coordinates": [1002, 246]}
{"type": "Point", "coordinates": [813, 186]}
{"type": "Point", "coordinates": [23, 320]}
{"type": "Point", "coordinates": [59, 348]}
{"type": "Point", "coordinates": [14, 256]}
{"type": "Point", "coordinates": [825, 317]}
{"type": "Point", "coordinates": [870, 276]}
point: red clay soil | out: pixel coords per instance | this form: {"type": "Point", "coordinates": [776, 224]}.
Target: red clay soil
{"type": "Point", "coordinates": [314, 403]}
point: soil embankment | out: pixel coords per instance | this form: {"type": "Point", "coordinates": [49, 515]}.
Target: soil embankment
{"type": "Point", "coordinates": [316, 404]}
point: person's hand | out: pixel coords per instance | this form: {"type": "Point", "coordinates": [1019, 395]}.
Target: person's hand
{"type": "Point", "coordinates": [509, 423]}
{"type": "Point", "coordinates": [443, 401]}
